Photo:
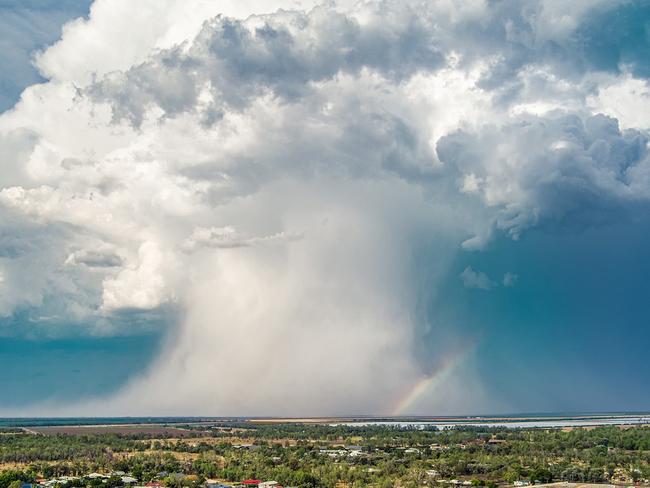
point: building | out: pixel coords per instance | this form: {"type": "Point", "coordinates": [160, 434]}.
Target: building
{"type": "Point", "coordinates": [497, 442]}
{"type": "Point", "coordinates": [94, 476]}
{"type": "Point", "coordinates": [251, 482]}
{"type": "Point", "coordinates": [334, 453]}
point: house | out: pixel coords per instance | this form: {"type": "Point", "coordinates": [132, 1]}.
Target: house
{"type": "Point", "coordinates": [269, 484]}
{"type": "Point", "coordinates": [154, 484]}
{"type": "Point", "coordinates": [412, 450]}
{"type": "Point", "coordinates": [521, 483]}
{"type": "Point", "coordinates": [251, 482]}
{"type": "Point", "coordinates": [129, 480]}
{"type": "Point", "coordinates": [354, 448]}
{"type": "Point", "coordinates": [333, 453]}
{"type": "Point", "coordinates": [94, 476]}
{"type": "Point", "coordinates": [494, 441]}
{"type": "Point", "coordinates": [250, 447]}
{"type": "Point", "coordinates": [354, 451]}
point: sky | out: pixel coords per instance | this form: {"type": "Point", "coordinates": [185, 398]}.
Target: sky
{"type": "Point", "coordinates": [27, 27]}
{"type": "Point", "coordinates": [296, 207]}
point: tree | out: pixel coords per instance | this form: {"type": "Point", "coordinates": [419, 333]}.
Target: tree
{"type": "Point", "coordinates": [541, 474]}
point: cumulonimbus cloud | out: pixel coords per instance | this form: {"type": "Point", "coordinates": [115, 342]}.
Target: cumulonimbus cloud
{"type": "Point", "coordinates": [269, 175]}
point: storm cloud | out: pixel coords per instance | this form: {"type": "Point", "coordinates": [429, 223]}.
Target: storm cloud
{"type": "Point", "coordinates": [281, 176]}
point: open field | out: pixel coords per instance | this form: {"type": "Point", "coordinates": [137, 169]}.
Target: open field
{"type": "Point", "coordinates": [138, 429]}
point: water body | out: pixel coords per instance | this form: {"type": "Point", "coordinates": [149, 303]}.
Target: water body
{"type": "Point", "coordinates": [513, 424]}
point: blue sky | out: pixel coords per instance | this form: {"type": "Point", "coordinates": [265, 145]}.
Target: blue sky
{"type": "Point", "coordinates": [324, 206]}
{"type": "Point", "coordinates": [25, 27]}
{"type": "Point", "coordinates": [572, 324]}
{"type": "Point", "coordinates": [38, 368]}
{"type": "Point", "coordinates": [55, 370]}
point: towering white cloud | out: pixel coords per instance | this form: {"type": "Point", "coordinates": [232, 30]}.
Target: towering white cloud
{"type": "Point", "coordinates": [269, 175]}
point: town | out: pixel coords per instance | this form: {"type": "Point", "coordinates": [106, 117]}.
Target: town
{"type": "Point", "coordinates": [245, 454]}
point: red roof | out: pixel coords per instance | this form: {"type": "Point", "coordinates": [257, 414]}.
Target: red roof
{"type": "Point", "coordinates": [251, 482]}
{"type": "Point", "coordinates": [154, 483]}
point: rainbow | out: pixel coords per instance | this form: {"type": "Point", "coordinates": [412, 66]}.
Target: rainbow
{"type": "Point", "coordinates": [432, 381]}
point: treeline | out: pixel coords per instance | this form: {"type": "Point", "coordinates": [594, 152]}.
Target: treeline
{"type": "Point", "coordinates": [25, 448]}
